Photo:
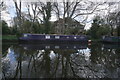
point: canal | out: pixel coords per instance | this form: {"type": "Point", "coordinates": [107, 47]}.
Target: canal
{"type": "Point", "coordinates": [94, 60]}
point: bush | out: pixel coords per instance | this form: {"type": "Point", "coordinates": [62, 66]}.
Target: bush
{"type": "Point", "coordinates": [98, 29]}
{"type": "Point", "coordinates": [5, 28]}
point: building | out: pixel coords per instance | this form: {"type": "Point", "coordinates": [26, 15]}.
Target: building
{"type": "Point", "coordinates": [68, 26]}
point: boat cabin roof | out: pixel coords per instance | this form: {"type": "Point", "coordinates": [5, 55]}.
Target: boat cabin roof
{"type": "Point", "coordinates": [52, 34]}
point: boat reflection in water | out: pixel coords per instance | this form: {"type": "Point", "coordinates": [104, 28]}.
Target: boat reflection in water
{"type": "Point", "coordinates": [61, 61]}
{"type": "Point", "coordinates": [54, 46]}
{"type": "Point", "coordinates": [111, 46]}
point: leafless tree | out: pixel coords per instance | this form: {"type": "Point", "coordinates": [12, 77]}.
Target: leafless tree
{"type": "Point", "coordinates": [18, 12]}
{"type": "Point", "coordinates": [45, 10]}
{"type": "Point", "coordinates": [112, 17]}
{"type": "Point", "coordinates": [2, 7]}
{"type": "Point", "coordinates": [32, 17]}
{"type": "Point", "coordinates": [41, 11]}
{"type": "Point", "coordinates": [73, 10]}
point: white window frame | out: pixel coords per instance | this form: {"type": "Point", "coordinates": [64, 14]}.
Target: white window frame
{"type": "Point", "coordinates": [57, 47]}
{"type": "Point", "coordinates": [47, 37]}
{"type": "Point", "coordinates": [75, 37]}
{"type": "Point", "coordinates": [57, 37]}
{"type": "Point", "coordinates": [47, 47]}
{"type": "Point", "coordinates": [25, 35]}
{"type": "Point", "coordinates": [67, 37]}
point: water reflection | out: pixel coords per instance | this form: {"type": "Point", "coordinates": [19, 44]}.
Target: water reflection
{"type": "Point", "coordinates": [61, 60]}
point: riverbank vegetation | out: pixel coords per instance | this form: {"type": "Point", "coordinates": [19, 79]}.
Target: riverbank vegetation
{"type": "Point", "coordinates": [9, 37]}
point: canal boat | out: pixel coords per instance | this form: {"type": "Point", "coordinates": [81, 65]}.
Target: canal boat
{"type": "Point", "coordinates": [114, 39]}
{"type": "Point", "coordinates": [111, 39]}
{"type": "Point", "coordinates": [42, 38]}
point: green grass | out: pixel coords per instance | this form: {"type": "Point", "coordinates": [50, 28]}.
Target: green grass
{"type": "Point", "coordinates": [9, 37]}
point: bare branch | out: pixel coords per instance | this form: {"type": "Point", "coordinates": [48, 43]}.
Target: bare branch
{"type": "Point", "coordinates": [1, 4]}
{"type": "Point", "coordinates": [74, 9]}
{"type": "Point", "coordinates": [89, 12]}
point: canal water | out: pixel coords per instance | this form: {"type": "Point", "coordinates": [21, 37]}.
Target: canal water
{"type": "Point", "coordinates": [95, 60]}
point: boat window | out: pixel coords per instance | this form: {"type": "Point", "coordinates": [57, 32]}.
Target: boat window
{"type": "Point", "coordinates": [57, 37]}
{"type": "Point", "coordinates": [25, 35]}
{"type": "Point", "coordinates": [47, 37]}
{"type": "Point", "coordinates": [56, 47]}
{"type": "Point", "coordinates": [47, 47]}
{"type": "Point", "coordinates": [67, 37]}
{"type": "Point", "coordinates": [74, 46]}
{"type": "Point", "coordinates": [103, 37]}
{"type": "Point", "coordinates": [82, 37]}
{"type": "Point", "coordinates": [75, 37]}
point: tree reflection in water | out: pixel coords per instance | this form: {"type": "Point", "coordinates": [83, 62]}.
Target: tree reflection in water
{"type": "Point", "coordinates": [95, 61]}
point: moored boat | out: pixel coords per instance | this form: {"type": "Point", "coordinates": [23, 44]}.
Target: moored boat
{"type": "Point", "coordinates": [41, 38]}
{"type": "Point", "coordinates": [111, 39]}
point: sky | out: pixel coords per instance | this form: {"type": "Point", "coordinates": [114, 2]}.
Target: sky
{"type": "Point", "coordinates": [11, 10]}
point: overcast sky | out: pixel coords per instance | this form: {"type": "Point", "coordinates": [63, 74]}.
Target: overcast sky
{"type": "Point", "coordinates": [11, 10]}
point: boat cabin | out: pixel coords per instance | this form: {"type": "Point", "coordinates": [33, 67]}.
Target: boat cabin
{"type": "Point", "coordinates": [53, 37]}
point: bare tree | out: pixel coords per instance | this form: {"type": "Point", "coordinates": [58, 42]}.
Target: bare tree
{"type": "Point", "coordinates": [73, 10]}
{"type": "Point", "coordinates": [18, 12]}
{"type": "Point", "coordinates": [45, 10]}
{"type": "Point", "coordinates": [1, 4]}
{"type": "Point", "coordinates": [118, 24]}
{"type": "Point", "coordinates": [2, 8]}
{"type": "Point", "coordinates": [118, 19]}
{"type": "Point", "coordinates": [112, 17]}
{"type": "Point", "coordinates": [32, 16]}
{"type": "Point", "coordinates": [40, 12]}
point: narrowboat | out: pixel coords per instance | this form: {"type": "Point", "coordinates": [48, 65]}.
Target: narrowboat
{"type": "Point", "coordinates": [111, 39]}
{"type": "Point", "coordinates": [42, 38]}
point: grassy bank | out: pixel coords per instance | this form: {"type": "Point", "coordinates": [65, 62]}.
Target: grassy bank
{"type": "Point", "coordinates": [9, 38]}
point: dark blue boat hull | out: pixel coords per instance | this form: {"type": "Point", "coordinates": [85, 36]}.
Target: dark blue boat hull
{"type": "Point", "coordinates": [52, 41]}
{"type": "Point", "coordinates": [36, 38]}
{"type": "Point", "coordinates": [111, 39]}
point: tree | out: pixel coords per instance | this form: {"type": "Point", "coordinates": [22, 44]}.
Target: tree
{"type": "Point", "coordinates": [37, 28]}
{"type": "Point", "coordinates": [118, 24]}
{"type": "Point", "coordinates": [41, 12]}
{"type": "Point", "coordinates": [2, 22]}
{"type": "Point", "coordinates": [112, 22]}
{"type": "Point", "coordinates": [74, 10]}
{"type": "Point", "coordinates": [99, 28]}
{"type": "Point", "coordinates": [14, 30]}
{"type": "Point", "coordinates": [32, 17]}
{"type": "Point", "coordinates": [103, 30]}
{"type": "Point", "coordinates": [45, 10]}
{"type": "Point", "coordinates": [18, 12]}
{"type": "Point", "coordinates": [113, 17]}
{"type": "Point", "coordinates": [5, 28]}
{"type": "Point", "coordinates": [94, 28]}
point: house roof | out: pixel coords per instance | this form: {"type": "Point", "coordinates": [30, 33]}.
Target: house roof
{"type": "Point", "coordinates": [68, 20]}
